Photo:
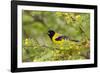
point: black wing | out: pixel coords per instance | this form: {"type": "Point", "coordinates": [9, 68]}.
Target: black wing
{"type": "Point", "coordinates": [61, 37]}
{"type": "Point", "coordinates": [65, 38]}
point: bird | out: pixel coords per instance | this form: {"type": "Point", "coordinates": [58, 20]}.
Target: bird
{"type": "Point", "coordinates": [58, 38]}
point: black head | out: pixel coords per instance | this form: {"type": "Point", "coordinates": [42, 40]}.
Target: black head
{"type": "Point", "coordinates": [51, 33]}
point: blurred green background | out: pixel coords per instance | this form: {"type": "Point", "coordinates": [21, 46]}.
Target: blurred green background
{"type": "Point", "coordinates": [38, 47]}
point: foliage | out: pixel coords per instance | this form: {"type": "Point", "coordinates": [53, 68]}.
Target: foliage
{"type": "Point", "coordinates": [37, 46]}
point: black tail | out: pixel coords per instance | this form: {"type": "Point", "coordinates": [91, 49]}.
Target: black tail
{"type": "Point", "coordinates": [75, 40]}
{"type": "Point", "coordinates": [67, 38]}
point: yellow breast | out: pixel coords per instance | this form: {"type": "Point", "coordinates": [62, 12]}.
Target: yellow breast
{"type": "Point", "coordinates": [60, 42]}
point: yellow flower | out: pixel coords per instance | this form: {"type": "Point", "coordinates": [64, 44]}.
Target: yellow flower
{"type": "Point", "coordinates": [34, 60]}
{"type": "Point", "coordinates": [57, 51]}
{"type": "Point", "coordinates": [58, 13]}
{"type": "Point", "coordinates": [71, 47]}
{"type": "Point", "coordinates": [79, 53]}
{"type": "Point", "coordinates": [78, 17]}
{"type": "Point", "coordinates": [77, 47]}
{"type": "Point", "coordinates": [61, 47]}
{"type": "Point", "coordinates": [52, 52]}
{"type": "Point", "coordinates": [26, 41]}
{"type": "Point", "coordinates": [66, 14]}
{"type": "Point", "coordinates": [69, 57]}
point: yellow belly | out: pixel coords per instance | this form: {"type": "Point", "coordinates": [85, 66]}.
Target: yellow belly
{"type": "Point", "coordinates": [60, 42]}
